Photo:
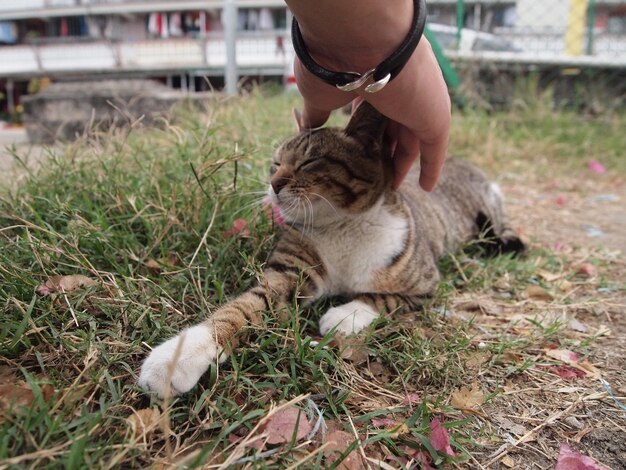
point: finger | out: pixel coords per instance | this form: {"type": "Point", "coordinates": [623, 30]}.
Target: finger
{"type": "Point", "coordinates": [433, 156]}
{"type": "Point", "coordinates": [356, 102]}
{"type": "Point", "coordinates": [319, 97]}
{"type": "Point", "coordinates": [407, 148]}
{"type": "Point", "coordinates": [418, 100]}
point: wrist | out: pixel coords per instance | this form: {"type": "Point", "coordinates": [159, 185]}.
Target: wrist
{"type": "Point", "coordinates": [352, 35]}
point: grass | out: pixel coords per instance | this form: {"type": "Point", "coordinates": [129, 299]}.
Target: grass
{"type": "Point", "coordinates": [143, 212]}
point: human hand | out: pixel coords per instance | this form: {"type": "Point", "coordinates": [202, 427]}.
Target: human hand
{"type": "Point", "coordinates": [356, 35]}
{"type": "Point", "coordinates": [416, 102]}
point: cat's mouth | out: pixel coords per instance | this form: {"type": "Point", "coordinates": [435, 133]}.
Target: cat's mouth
{"type": "Point", "coordinates": [289, 208]}
{"type": "Point", "coordinates": [272, 210]}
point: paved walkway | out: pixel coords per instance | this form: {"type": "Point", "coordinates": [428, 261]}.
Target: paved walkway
{"type": "Point", "coordinates": [10, 169]}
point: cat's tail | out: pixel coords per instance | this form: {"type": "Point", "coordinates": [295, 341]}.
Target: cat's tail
{"type": "Point", "coordinates": [495, 243]}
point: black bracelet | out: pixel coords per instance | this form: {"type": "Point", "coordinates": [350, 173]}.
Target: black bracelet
{"type": "Point", "coordinates": [386, 71]}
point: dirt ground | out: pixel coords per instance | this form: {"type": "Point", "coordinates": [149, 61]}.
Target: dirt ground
{"type": "Point", "coordinates": [583, 221]}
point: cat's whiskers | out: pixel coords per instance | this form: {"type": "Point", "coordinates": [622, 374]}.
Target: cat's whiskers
{"type": "Point", "coordinates": [326, 201]}
{"type": "Point", "coordinates": [311, 212]}
{"type": "Point", "coordinates": [255, 203]}
{"type": "Point", "coordinates": [308, 217]}
{"type": "Point", "coordinates": [288, 211]}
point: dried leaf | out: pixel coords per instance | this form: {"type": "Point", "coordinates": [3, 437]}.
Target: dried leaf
{"type": "Point", "coordinates": [573, 359]}
{"type": "Point", "coordinates": [570, 459]}
{"type": "Point", "coordinates": [563, 355]}
{"type": "Point", "coordinates": [380, 372]}
{"type": "Point", "coordinates": [152, 265]}
{"type": "Point", "coordinates": [576, 325]}
{"type": "Point", "coordinates": [411, 398]}
{"type": "Point", "coordinates": [282, 425]}
{"type": "Point", "coordinates": [467, 399]}
{"type": "Point", "coordinates": [171, 259]}
{"type": "Point", "coordinates": [352, 348]}
{"type": "Point", "coordinates": [19, 394]}
{"type": "Point", "coordinates": [508, 461]}
{"type": "Point", "coordinates": [256, 442]}
{"type": "Point", "coordinates": [589, 368]}
{"type": "Point", "coordinates": [477, 359]}
{"type": "Point", "coordinates": [548, 276]}
{"type": "Point", "coordinates": [65, 284]}
{"type": "Point", "coordinates": [440, 438]}
{"type": "Point", "coordinates": [395, 428]}
{"type": "Point", "coordinates": [587, 270]}
{"type": "Point", "coordinates": [537, 293]}
{"type": "Point", "coordinates": [144, 421]}
{"type": "Point", "coordinates": [424, 459]}
{"type": "Point", "coordinates": [510, 426]}
{"type": "Point", "coordinates": [337, 442]}
{"type": "Point", "coordinates": [485, 306]}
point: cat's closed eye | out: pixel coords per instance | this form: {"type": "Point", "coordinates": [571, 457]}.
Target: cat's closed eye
{"type": "Point", "coordinates": [308, 164]}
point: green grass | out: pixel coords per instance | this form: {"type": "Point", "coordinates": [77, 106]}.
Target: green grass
{"type": "Point", "coordinates": [111, 204]}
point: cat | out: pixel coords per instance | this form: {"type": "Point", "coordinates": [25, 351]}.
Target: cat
{"type": "Point", "coordinates": [348, 233]}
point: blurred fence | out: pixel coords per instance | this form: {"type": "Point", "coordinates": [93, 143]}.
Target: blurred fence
{"type": "Point", "coordinates": [257, 53]}
{"type": "Point", "coordinates": [574, 48]}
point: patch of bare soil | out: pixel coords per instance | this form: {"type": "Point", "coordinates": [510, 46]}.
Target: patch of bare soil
{"type": "Point", "coordinates": [13, 141]}
{"type": "Point", "coordinates": [583, 222]}
{"type": "Point", "coordinates": [572, 211]}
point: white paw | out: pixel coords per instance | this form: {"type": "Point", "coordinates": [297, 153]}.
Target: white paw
{"type": "Point", "coordinates": [348, 318]}
{"type": "Point", "coordinates": [197, 352]}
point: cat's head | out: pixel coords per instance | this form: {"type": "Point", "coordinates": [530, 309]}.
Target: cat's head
{"type": "Point", "coordinates": [328, 173]}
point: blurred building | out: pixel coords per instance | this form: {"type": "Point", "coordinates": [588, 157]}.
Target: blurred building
{"type": "Point", "coordinates": [181, 42]}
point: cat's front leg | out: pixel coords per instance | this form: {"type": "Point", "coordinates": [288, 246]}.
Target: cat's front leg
{"type": "Point", "coordinates": [178, 363]}
{"type": "Point", "coordinates": [359, 313]}
{"type": "Point", "coordinates": [193, 351]}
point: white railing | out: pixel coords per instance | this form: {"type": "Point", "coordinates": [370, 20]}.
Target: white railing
{"type": "Point", "coordinates": [258, 51]}
{"type": "Point", "coordinates": [263, 53]}
{"type": "Point", "coordinates": [13, 9]}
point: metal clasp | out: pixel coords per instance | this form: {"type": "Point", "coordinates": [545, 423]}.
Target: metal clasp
{"type": "Point", "coordinates": [359, 82]}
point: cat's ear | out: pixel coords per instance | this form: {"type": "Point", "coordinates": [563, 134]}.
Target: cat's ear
{"type": "Point", "coordinates": [297, 117]}
{"type": "Point", "coordinates": [366, 124]}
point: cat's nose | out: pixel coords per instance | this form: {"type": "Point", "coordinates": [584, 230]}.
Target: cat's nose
{"type": "Point", "coordinates": [278, 183]}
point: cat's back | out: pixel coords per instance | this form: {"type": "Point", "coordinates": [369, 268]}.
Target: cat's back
{"type": "Point", "coordinates": [450, 211]}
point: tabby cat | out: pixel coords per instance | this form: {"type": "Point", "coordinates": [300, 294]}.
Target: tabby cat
{"type": "Point", "coordinates": [348, 233]}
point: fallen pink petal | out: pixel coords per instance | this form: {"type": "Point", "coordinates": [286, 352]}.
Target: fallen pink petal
{"type": "Point", "coordinates": [570, 459]}
{"type": "Point", "coordinates": [567, 372]}
{"type": "Point", "coordinates": [282, 424]}
{"type": "Point", "coordinates": [411, 398]}
{"type": "Point", "coordinates": [238, 228]}
{"type": "Point", "coordinates": [440, 438]}
{"type": "Point", "coordinates": [561, 200]}
{"type": "Point", "coordinates": [596, 167]}
{"type": "Point", "coordinates": [424, 460]}
{"type": "Point", "coordinates": [383, 422]}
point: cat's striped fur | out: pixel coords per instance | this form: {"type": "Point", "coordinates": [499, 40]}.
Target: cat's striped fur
{"type": "Point", "coordinates": [347, 233]}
